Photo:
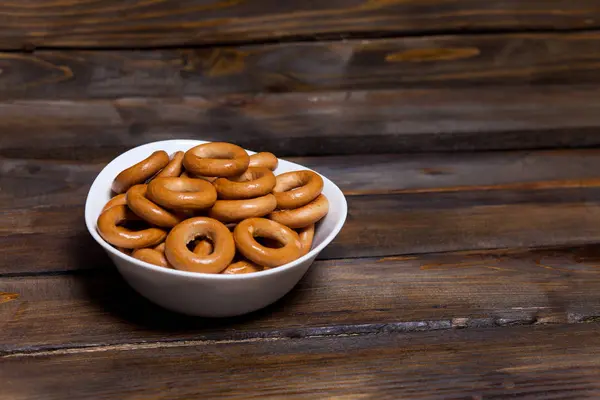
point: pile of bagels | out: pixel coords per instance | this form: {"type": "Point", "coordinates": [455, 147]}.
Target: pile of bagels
{"type": "Point", "coordinates": [213, 209]}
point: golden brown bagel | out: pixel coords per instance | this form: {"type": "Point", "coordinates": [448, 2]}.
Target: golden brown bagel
{"type": "Point", "coordinates": [177, 193]}
{"type": "Point", "coordinates": [255, 182]}
{"type": "Point", "coordinates": [118, 200]}
{"type": "Point", "coordinates": [244, 235]}
{"type": "Point", "coordinates": [180, 257]}
{"type": "Point", "coordinates": [109, 229]}
{"type": "Point", "coordinates": [203, 248]}
{"type": "Point", "coordinates": [296, 189]}
{"type": "Point", "coordinates": [174, 166]}
{"type": "Point", "coordinates": [264, 159]}
{"type": "Point", "coordinates": [216, 159]}
{"type": "Point", "coordinates": [151, 256]}
{"type": "Point", "coordinates": [186, 174]}
{"type": "Point", "coordinates": [147, 210]}
{"type": "Point", "coordinates": [236, 210]}
{"type": "Point", "coordinates": [306, 236]}
{"type": "Point", "coordinates": [242, 267]}
{"type": "Point", "coordinates": [303, 216]}
{"type": "Point", "coordinates": [140, 172]}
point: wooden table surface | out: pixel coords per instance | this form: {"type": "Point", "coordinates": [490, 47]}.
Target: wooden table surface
{"type": "Point", "coordinates": [456, 276]}
{"type": "Point", "coordinates": [463, 133]}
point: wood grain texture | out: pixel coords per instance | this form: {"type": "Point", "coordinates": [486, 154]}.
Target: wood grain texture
{"type": "Point", "coordinates": [429, 61]}
{"type": "Point", "coordinates": [397, 204]}
{"type": "Point", "coordinates": [305, 124]}
{"type": "Point", "coordinates": [36, 183]}
{"type": "Point", "coordinates": [142, 23]}
{"type": "Point", "coordinates": [543, 362]}
{"type": "Point", "coordinates": [377, 225]}
{"type": "Point", "coordinates": [358, 296]}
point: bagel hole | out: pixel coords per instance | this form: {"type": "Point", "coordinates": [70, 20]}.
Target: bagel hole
{"type": "Point", "coordinates": [268, 242]}
{"type": "Point", "coordinates": [247, 176]}
{"type": "Point", "coordinates": [215, 154]}
{"type": "Point", "coordinates": [238, 178]}
{"type": "Point", "coordinates": [134, 224]}
{"type": "Point", "coordinates": [226, 155]}
{"type": "Point", "coordinates": [187, 189]}
{"type": "Point", "coordinates": [292, 184]}
{"type": "Point", "coordinates": [296, 188]}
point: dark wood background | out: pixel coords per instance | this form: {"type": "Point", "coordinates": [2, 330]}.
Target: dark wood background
{"type": "Point", "coordinates": [366, 76]}
{"type": "Point", "coordinates": [462, 132]}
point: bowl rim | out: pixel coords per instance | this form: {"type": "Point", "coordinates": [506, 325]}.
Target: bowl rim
{"type": "Point", "coordinates": [91, 226]}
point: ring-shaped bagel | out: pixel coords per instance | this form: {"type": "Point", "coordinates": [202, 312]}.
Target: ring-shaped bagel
{"type": "Point", "coordinates": [147, 210]}
{"type": "Point", "coordinates": [296, 189]}
{"type": "Point", "coordinates": [244, 235]}
{"type": "Point", "coordinates": [236, 210]}
{"type": "Point", "coordinates": [303, 216]}
{"type": "Point", "coordinates": [306, 236]}
{"type": "Point", "coordinates": [140, 172]}
{"type": "Point", "coordinates": [109, 229]}
{"type": "Point", "coordinates": [151, 256]}
{"type": "Point", "coordinates": [264, 159]}
{"type": "Point", "coordinates": [180, 257]}
{"type": "Point", "coordinates": [255, 182]}
{"type": "Point", "coordinates": [174, 167]}
{"type": "Point", "coordinates": [118, 200]}
{"type": "Point", "coordinates": [216, 159]}
{"type": "Point", "coordinates": [242, 267]}
{"type": "Point", "coordinates": [203, 248]}
{"type": "Point", "coordinates": [177, 193]}
{"type": "Point", "coordinates": [160, 247]}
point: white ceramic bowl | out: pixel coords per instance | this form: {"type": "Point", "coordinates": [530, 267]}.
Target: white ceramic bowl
{"type": "Point", "coordinates": [199, 294]}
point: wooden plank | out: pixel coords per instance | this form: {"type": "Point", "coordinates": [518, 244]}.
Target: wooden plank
{"type": "Point", "coordinates": [398, 204]}
{"type": "Point", "coordinates": [430, 61]}
{"type": "Point", "coordinates": [304, 124]}
{"type": "Point", "coordinates": [439, 172]}
{"type": "Point", "coordinates": [356, 296]}
{"type": "Point", "coordinates": [29, 183]}
{"type": "Point", "coordinates": [377, 226]}
{"type": "Point", "coordinates": [139, 23]}
{"type": "Point", "coordinates": [545, 362]}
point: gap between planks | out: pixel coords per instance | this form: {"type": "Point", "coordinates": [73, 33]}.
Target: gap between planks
{"type": "Point", "coordinates": [312, 38]}
{"type": "Point", "coordinates": [304, 333]}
